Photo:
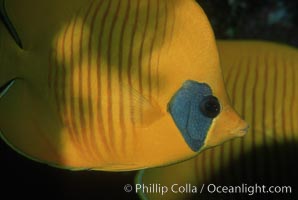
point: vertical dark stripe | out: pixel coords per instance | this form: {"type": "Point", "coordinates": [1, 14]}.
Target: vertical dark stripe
{"type": "Point", "coordinates": [283, 102]}
{"type": "Point", "coordinates": [293, 100]}
{"type": "Point", "coordinates": [245, 88]}
{"type": "Point", "coordinates": [80, 128]}
{"type": "Point", "coordinates": [236, 82]}
{"type": "Point", "coordinates": [243, 111]}
{"type": "Point", "coordinates": [173, 19]}
{"type": "Point", "coordinates": [231, 86]}
{"type": "Point", "coordinates": [285, 95]}
{"type": "Point", "coordinates": [131, 45]}
{"type": "Point", "coordinates": [229, 82]}
{"type": "Point", "coordinates": [287, 130]}
{"type": "Point", "coordinates": [164, 27]}
{"type": "Point", "coordinates": [236, 93]}
{"type": "Point", "coordinates": [221, 163]}
{"type": "Point", "coordinates": [99, 73]}
{"type": "Point", "coordinates": [254, 168]}
{"type": "Point", "coordinates": [56, 82]}
{"type": "Point", "coordinates": [57, 88]}
{"type": "Point", "coordinates": [275, 148]}
{"type": "Point", "coordinates": [212, 167]}
{"type": "Point", "coordinates": [50, 68]}
{"type": "Point", "coordinates": [264, 98]}
{"type": "Point", "coordinates": [293, 120]}
{"type": "Point", "coordinates": [203, 172]}
{"type": "Point", "coordinates": [274, 104]}
{"type": "Point", "coordinates": [232, 159]}
{"type": "Point", "coordinates": [129, 67]}
{"type": "Point", "coordinates": [120, 77]}
{"type": "Point", "coordinates": [101, 130]}
{"type": "Point", "coordinates": [140, 58]}
{"type": "Point", "coordinates": [80, 133]}
{"type": "Point", "coordinates": [91, 139]}
{"type": "Point", "coordinates": [109, 77]}
{"type": "Point", "coordinates": [234, 100]}
{"type": "Point", "coordinates": [129, 71]}
{"type": "Point", "coordinates": [63, 75]}
{"type": "Point", "coordinates": [277, 105]}
{"type": "Point", "coordinates": [151, 51]}
{"type": "Point", "coordinates": [227, 72]}
{"type": "Point", "coordinates": [65, 110]}
{"type": "Point", "coordinates": [261, 100]}
{"type": "Point", "coordinates": [197, 173]}
{"type": "Point", "coordinates": [267, 148]}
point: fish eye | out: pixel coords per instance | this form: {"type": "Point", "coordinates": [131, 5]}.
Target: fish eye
{"type": "Point", "coordinates": [210, 106]}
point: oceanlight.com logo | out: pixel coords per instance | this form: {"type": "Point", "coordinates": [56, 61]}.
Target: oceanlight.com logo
{"type": "Point", "coordinates": [249, 189]}
{"type": "Point", "coordinates": [157, 188]}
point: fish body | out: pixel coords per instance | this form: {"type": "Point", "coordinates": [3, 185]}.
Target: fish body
{"type": "Point", "coordinates": [97, 84]}
{"type": "Point", "coordinates": [261, 80]}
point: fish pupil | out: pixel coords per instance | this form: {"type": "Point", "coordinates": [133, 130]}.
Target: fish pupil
{"type": "Point", "coordinates": [210, 106]}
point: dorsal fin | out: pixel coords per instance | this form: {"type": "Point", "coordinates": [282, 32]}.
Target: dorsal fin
{"type": "Point", "coordinates": [6, 21]}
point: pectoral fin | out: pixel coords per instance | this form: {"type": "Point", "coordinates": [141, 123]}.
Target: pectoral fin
{"type": "Point", "coordinates": [145, 110]}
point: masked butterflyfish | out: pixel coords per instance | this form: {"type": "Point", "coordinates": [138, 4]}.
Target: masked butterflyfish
{"type": "Point", "coordinates": [111, 85]}
{"type": "Point", "coordinates": [261, 79]}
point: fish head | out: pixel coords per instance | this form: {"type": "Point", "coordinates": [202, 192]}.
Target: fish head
{"type": "Point", "coordinates": [192, 92]}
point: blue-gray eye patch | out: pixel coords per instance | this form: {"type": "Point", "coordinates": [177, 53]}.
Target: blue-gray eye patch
{"type": "Point", "coordinates": [193, 108]}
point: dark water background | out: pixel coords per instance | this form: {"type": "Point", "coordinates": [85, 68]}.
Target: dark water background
{"type": "Point", "coordinates": [273, 20]}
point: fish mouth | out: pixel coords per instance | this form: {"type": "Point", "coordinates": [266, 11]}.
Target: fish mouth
{"type": "Point", "coordinates": [243, 131]}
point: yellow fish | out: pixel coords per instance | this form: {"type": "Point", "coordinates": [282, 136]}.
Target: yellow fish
{"type": "Point", "coordinates": [111, 85]}
{"type": "Point", "coordinates": [261, 79]}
